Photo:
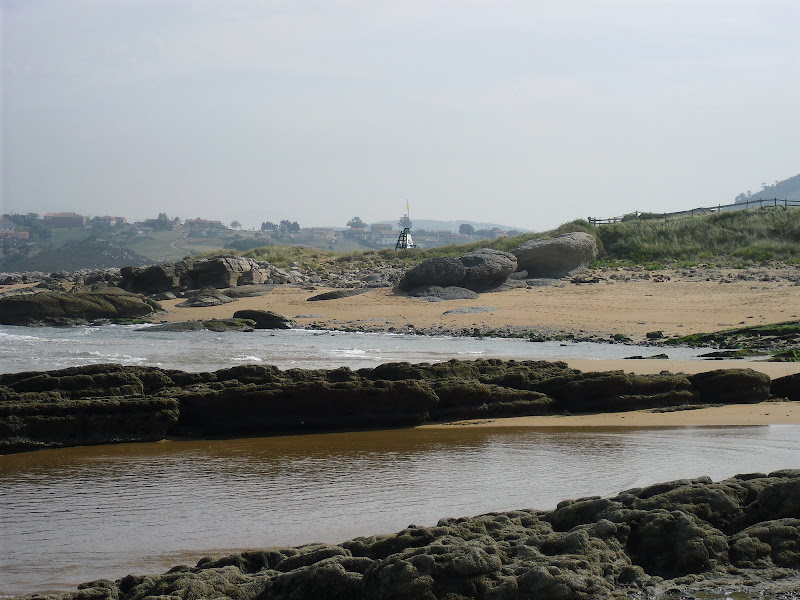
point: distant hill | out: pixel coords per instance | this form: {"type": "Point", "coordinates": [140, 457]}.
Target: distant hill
{"type": "Point", "coordinates": [453, 226]}
{"type": "Point", "coordinates": [93, 253]}
{"type": "Point", "coordinates": [788, 189]}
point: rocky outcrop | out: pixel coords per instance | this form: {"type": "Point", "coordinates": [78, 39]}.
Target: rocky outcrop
{"type": "Point", "coordinates": [265, 319]}
{"type": "Point", "coordinates": [479, 270]}
{"type": "Point", "coordinates": [217, 272]}
{"type": "Point", "coordinates": [556, 257]}
{"type": "Point", "coordinates": [220, 325]}
{"type": "Point", "coordinates": [62, 308]}
{"type": "Point", "coordinates": [683, 536]}
{"type": "Point", "coordinates": [47, 409]}
{"type": "Point", "coordinates": [226, 271]}
{"type": "Point", "coordinates": [155, 279]}
{"type": "Point", "coordinates": [204, 297]}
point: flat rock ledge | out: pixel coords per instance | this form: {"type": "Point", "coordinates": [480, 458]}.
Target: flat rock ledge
{"type": "Point", "coordinates": [671, 539]}
{"type": "Point", "coordinates": [110, 403]}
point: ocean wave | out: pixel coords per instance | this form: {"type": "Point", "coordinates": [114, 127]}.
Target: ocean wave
{"type": "Point", "coordinates": [11, 337]}
{"type": "Point", "coordinates": [351, 352]}
{"type": "Point", "coordinates": [250, 358]}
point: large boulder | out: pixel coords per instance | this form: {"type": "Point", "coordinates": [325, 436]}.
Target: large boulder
{"type": "Point", "coordinates": [225, 271]}
{"type": "Point", "coordinates": [442, 271]}
{"type": "Point", "coordinates": [558, 256]}
{"type": "Point", "coordinates": [478, 270]}
{"type": "Point", "coordinates": [486, 268]}
{"type": "Point", "coordinates": [155, 278]}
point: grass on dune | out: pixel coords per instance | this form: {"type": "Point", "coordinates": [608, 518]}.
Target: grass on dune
{"type": "Point", "coordinates": [733, 237]}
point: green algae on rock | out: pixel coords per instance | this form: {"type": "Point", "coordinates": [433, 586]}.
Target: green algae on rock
{"type": "Point", "coordinates": [88, 405]}
{"type": "Point", "coordinates": [62, 308]}
{"type": "Point", "coordinates": [681, 537]}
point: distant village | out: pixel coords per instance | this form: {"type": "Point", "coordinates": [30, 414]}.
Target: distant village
{"type": "Point", "coordinates": [20, 234]}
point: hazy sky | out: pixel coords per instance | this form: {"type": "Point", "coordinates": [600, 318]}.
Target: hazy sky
{"type": "Point", "coordinates": [528, 113]}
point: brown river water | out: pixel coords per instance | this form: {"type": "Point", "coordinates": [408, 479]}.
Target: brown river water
{"type": "Point", "coordinates": [73, 515]}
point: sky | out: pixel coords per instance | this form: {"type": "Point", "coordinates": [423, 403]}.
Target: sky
{"type": "Point", "coordinates": [529, 113]}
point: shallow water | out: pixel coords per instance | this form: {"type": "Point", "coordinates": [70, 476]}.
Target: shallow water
{"type": "Point", "coordinates": [45, 348]}
{"type": "Point", "coordinates": [77, 514]}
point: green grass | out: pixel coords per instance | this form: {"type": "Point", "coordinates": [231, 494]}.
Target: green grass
{"type": "Point", "coordinates": [737, 238]}
{"type": "Point", "coordinates": [157, 246]}
{"type": "Point", "coordinates": [62, 235]}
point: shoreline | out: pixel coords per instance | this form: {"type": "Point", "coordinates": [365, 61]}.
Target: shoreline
{"type": "Point", "coordinates": [600, 310]}
{"type": "Point", "coordinates": [760, 414]}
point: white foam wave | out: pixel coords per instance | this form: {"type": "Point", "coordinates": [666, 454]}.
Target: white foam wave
{"type": "Point", "coordinates": [250, 358]}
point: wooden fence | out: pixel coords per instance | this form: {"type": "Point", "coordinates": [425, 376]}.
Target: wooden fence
{"type": "Point", "coordinates": [746, 205]}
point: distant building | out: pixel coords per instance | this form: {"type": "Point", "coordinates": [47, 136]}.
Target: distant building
{"type": "Point", "coordinates": [14, 238]}
{"type": "Point", "coordinates": [63, 219]}
{"type": "Point", "coordinates": [204, 224]}
{"type": "Point", "coordinates": [326, 234]}
{"type": "Point", "coordinates": [386, 240]}
{"type": "Point", "coordinates": [381, 228]}
{"type": "Point", "coordinates": [112, 220]}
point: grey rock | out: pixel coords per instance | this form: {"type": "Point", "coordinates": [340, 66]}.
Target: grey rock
{"type": "Point", "coordinates": [443, 293]}
{"type": "Point", "coordinates": [207, 296]}
{"type": "Point", "coordinates": [265, 319]}
{"type": "Point", "coordinates": [156, 278]}
{"type": "Point", "coordinates": [434, 271]}
{"type": "Point", "coordinates": [486, 268]}
{"type": "Point", "coordinates": [558, 256]}
{"type": "Point", "coordinates": [337, 294]}
{"type": "Point", "coordinates": [479, 270]}
{"type": "Point", "coordinates": [223, 272]}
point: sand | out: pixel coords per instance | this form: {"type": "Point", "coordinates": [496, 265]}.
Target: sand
{"type": "Point", "coordinates": [764, 413]}
{"type": "Point", "coordinates": [632, 308]}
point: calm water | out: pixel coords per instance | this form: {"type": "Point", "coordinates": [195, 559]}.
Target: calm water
{"type": "Point", "coordinates": [73, 515]}
{"type": "Point", "coordinates": [45, 348]}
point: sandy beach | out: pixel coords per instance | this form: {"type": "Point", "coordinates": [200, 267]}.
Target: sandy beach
{"type": "Point", "coordinates": [632, 308]}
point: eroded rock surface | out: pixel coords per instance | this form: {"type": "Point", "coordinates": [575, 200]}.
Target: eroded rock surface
{"type": "Point", "coordinates": [677, 537]}
{"type": "Point", "coordinates": [76, 406]}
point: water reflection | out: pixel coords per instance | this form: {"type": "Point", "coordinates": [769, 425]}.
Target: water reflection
{"type": "Point", "coordinates": [76, 514]}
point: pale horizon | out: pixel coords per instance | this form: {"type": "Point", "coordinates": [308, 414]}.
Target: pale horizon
{"type": "Point", "coordinates": [526, 114]}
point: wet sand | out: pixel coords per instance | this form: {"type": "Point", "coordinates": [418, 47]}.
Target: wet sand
{"type": "Point", "coordinates": [763, 413]}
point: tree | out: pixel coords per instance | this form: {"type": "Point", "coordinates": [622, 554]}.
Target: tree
{"type": "Point", "coordinates": [160, 223]}
{"type": "Point", "coordinates": [294, 227]}
{"type": "Point", "coordinates": [236, 225]}
{"type": "Point", "coordinates": [268, 226]}
{"type": "Point", "coordinates": [466, 229]}
{"type": "Point", "coordinates": [284, 225]}
{"type": "Point", "coordinates": [404, 222]}
{"type": "Point", "coordinates": [356, 222]}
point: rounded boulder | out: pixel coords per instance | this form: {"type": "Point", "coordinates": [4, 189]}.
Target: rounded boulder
{"type": "Point", "coordinates": [558, 256]}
